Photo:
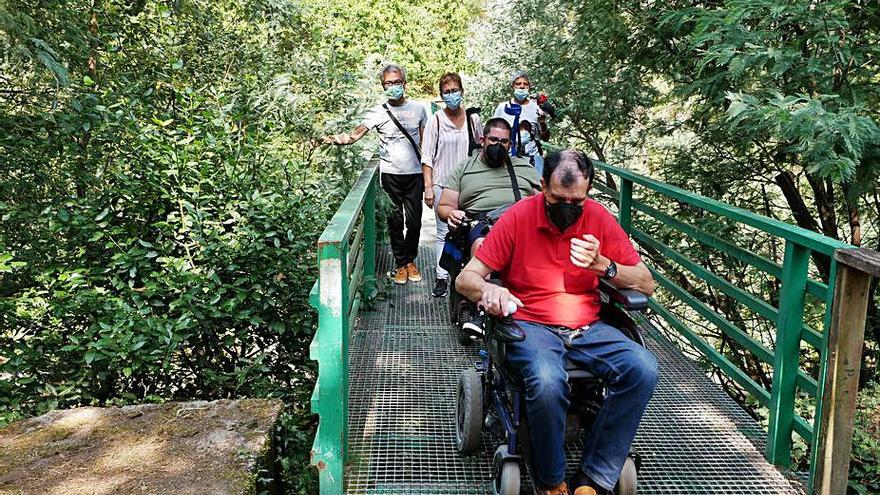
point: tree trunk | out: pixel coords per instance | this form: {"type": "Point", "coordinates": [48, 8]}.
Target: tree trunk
{"type": "Point", "coordinates": [824, 193]}
{"type": "Point", "coordinates": [802, 216]}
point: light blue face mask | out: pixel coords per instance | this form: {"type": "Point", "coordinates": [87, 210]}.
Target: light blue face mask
{"type": "Point", "coordinates": [452, 100]}
{"type": "Point", "coordinates": [520, 94]}
{"type": "Point", "coordinates": [525, 137]}
{"type": "Point", "coordinates": [394, 92]}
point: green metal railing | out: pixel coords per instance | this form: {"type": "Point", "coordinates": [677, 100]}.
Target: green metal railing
{"type": "Point", "coordinates": [788, 317]}
{"type": "Point", "coordinates": [347, 276]}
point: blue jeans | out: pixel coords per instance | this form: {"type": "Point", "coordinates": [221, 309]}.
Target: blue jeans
{"type": "Point", "coordinates": [630, 373]}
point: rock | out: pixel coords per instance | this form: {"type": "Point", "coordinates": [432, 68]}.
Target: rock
{"type": "Point", "coordinates": [175, 448]}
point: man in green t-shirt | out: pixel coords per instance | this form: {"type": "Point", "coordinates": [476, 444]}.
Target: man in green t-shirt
{"type": "Point", "coordinates": [483, 183]}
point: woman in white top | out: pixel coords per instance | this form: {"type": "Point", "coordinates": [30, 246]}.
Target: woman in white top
{"type": "Point", "coordinates": [524, 139]}
{"type": "Point", "coordinates": [445, 144]}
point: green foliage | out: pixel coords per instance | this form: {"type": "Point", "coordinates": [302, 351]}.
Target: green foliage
{"type": "Point", "coordinates": [163, 189]}
{"type": "Point", "coordinates": [865, 463]}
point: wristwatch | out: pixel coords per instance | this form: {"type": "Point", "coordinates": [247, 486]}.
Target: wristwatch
{"type": "Point", "coordinates": [611, 271]}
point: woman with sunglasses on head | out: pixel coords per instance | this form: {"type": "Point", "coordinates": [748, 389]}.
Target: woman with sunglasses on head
{"type": "Point", "coordinates": [446, 143]}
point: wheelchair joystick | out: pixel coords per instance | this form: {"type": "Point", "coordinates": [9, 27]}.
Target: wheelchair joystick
{"type": "Point", "coordinates": [511, 308]}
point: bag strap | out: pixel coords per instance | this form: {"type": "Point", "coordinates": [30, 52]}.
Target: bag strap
{"type": "Point", "coordinates": [513, 183]}
{"type": "Point", "coordinates": [437, 143]}
{"type": "Point", "coordinates": [397, 123]}
{"type": "Point", "coordinates": [515, 144]}
{"type": "Point", "coordinates": [472, 135]}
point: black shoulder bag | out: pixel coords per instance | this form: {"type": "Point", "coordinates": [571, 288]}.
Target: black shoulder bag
{"type": "Point", "coordinates": [397, 123]}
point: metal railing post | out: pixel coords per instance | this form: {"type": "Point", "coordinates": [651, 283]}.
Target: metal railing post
{"type": "Point", "coordinates": [328, 349]}
{"type": "Point", "coordinates": [625, 205]}
{"type": "Point", "coordinates": [369, 286]}
{"type": "Point", "coordinates": [856, 267]}
{"type": "Point", "coordinates": [786, 357]}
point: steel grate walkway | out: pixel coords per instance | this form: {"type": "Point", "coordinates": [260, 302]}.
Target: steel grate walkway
{"type": "Point", "coordinates": [405, 363]}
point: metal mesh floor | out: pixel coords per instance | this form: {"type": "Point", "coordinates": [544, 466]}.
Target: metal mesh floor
{"type": "Point", "coordinates": [405, 363]}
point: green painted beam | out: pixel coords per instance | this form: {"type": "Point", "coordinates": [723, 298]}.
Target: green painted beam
{"type": "Point", "coordinates": [625, 205]}
{"type": "Point", "coordinates": [818, 289]}
{"type": "Point", "coordinates": [329, 349]}
{"type": "Point", "coordinates": [314, 301]}
{"type": "Point", "coordinates": [343, 222]}
{"type": "Point", "coordinates": [731, 330]}
{"type": "Point", "coordinates": [369, 286]}
{"type": "Point", "coordinates": [787, 353]}
{"type": "Point", "coordinates": [805, 382]}
{"type": "Point", "coordinates": [714, 356]}
{"type": "Point", "coordinates": [803, 237]}
{"type": "Point", "coordinates": [758, 306]}
{"type": "Point", "coordinates": [354, 248]}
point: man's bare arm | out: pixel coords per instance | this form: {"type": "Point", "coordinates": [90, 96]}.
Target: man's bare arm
{"type": "Point", "coordinates": [471, 283]}
{"type": "Point", "coordinates": [636, 277]}
{"type": "Point", "coordinates": [449, 204]}
{"type": "Point", "coordinates": [343, 138]}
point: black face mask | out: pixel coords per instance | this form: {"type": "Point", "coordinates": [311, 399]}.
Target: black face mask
{"type": "Point", "coordinates": [563, 215]}
{"type": "Point", "coordinates": [495, 155]}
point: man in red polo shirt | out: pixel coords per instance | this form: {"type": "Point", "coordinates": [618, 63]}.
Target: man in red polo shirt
{"type": "Point", "coordinates": [550, 250]}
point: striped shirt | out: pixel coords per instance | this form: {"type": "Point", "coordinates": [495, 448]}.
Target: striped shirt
{"type": "Point", "coordinates": [452, 147]}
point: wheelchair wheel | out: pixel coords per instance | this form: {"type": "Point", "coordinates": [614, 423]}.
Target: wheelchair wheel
{"type": "Point", "coordinates": [469, 412]}
{"type": "Point", "coordinates": [505, 473]}
{"type": "Point", "coordinates": [626, 484]}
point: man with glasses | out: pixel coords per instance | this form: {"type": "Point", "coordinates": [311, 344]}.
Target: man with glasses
{"type": "Point", "coordinates": [550, 251]}
{"type": "Point", "coordinates": [400, 123]}
{"type": "Point", "coordinates": [482, 185]}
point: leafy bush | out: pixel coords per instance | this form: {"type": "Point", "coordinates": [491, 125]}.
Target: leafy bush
{"type": "Point", "coordinates": [165, 189]}
{"type": "Point", "coordinates": [865, 461]}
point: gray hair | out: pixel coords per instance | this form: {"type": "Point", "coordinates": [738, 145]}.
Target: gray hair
{"type": "Point", "coordinates": [518, 74]}
{"type": "Point", "coordinates": [392, 68]}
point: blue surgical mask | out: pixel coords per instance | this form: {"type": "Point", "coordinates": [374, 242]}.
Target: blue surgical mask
{"type": "Point", "coordinates": [452, 100]}
{"type": "Point", "coordinates": [394, 92]}
{"type": "Point", "coordinates": [520, 94]}
{"type": "Point", "coordinates": [525, 137]}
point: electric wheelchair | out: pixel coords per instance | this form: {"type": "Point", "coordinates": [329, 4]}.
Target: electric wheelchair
{"type": "Point", "coordinates": [457, 254]}
{"type": "Point", "coordinates": [491, 396]}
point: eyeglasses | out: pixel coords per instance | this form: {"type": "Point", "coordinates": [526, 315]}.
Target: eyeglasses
{"type": "Point", "coordinates": [450, 91]}
{"type": "Point", "coordinates": [495, 140]}
{"type": "Point", "coordinates": [395, 82]}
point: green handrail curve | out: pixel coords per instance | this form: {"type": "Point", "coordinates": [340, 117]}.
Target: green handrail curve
{"type": "Point", "coordinates": [346, 267]}
{"type": "Point", "coordinates": [795, 284]}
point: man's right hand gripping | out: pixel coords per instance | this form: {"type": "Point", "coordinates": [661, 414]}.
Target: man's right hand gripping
{"type": "Point", "coordinates": [498, 301]}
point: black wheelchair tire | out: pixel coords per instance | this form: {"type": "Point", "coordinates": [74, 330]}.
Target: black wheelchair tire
{"type": "Point", "coordinates": [469, 412]}
{"type": "Point", "coordinates": [506, 478]}
{"type": "Point", "coordinates": [628, 481]}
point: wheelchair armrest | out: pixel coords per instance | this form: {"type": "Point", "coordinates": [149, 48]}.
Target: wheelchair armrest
{"type": "Point", "coordinates": [630, 299]}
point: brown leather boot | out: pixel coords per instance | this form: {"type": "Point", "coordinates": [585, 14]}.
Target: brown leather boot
{"type": "Point", "coordinates": [560, 489]}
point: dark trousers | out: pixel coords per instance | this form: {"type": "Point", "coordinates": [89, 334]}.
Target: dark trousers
{"type": "Point", "coordinates": [406, 193]}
